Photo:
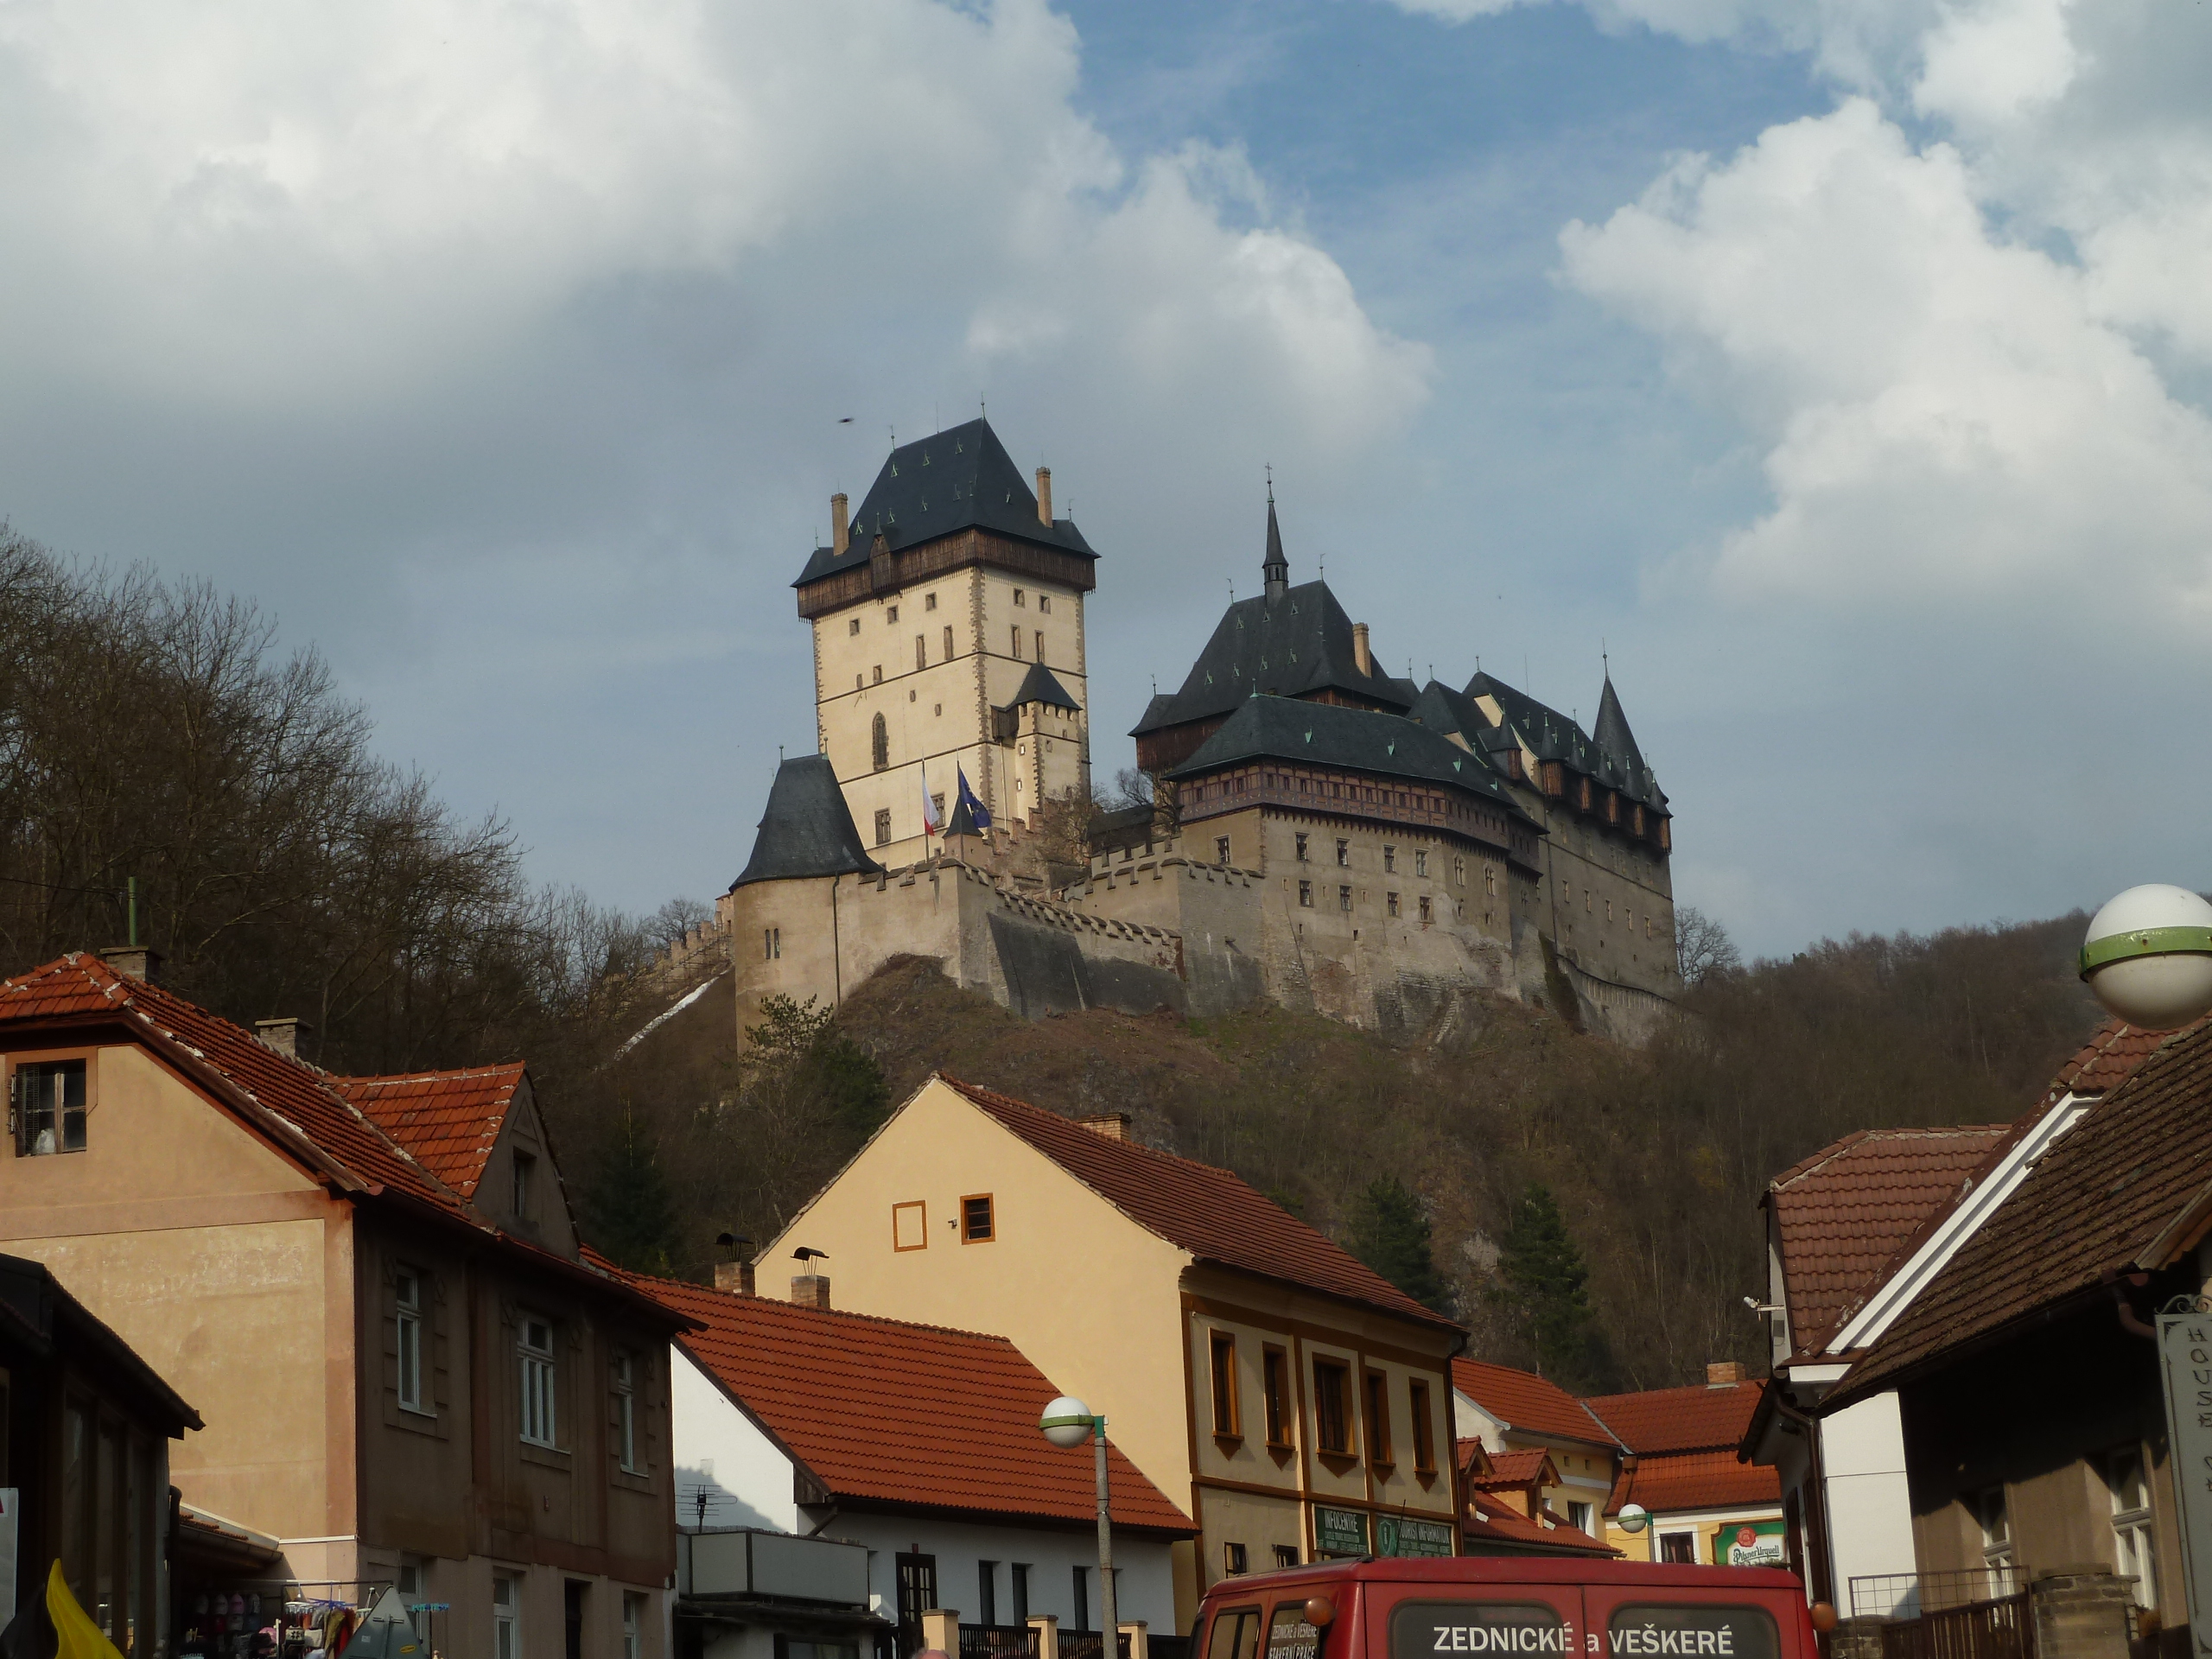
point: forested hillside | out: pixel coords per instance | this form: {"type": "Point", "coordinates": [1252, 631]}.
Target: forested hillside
{"type": "Point", "coordinates": [1580, 1206]}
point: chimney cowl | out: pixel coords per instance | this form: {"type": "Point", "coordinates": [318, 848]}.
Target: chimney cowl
{"type": "Point", "coordinates": [735, 1277]}
{"type": "Point", "coordinates": [811, 1290]}
{"type": "Point", "coordinates": [1045, 496]}
{"type": "Point", "coordinates": [135, 961]}
{"type": "Point", "coordinates": [283, 1034]}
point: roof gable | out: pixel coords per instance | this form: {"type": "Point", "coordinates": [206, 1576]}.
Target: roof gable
{"type": "Point", "coordinates": [1214, 1215]}
{"type": "Point", "coordinates": [886, 1412]}
{"type": "Point", "coordinates": [1526, 1403]}
{"type": "Point", "coordinates": [448, 1120]}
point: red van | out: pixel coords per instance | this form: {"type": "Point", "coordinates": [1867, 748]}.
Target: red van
{"type": "Point", "coordinates": [1406, 1608]}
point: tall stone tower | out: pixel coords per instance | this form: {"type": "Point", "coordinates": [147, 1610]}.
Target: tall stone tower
{"type": "Point", "coordinates": [948, 639]}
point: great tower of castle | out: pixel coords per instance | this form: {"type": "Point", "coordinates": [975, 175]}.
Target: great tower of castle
{"type": "Point", "coordinates": [947, 639]}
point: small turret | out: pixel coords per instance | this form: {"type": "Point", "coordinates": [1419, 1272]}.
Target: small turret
{"type": "Point", "coordinates": [1275, 571]}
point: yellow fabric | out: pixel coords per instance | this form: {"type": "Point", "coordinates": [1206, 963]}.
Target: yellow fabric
{"type": "Point", "coordinates": [79, 1637]}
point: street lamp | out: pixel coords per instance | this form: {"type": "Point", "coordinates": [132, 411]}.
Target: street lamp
{"type": "Point", "coordinates": [1067, 1423]}
{"type": "Point", "coordinates": [2148, 956]}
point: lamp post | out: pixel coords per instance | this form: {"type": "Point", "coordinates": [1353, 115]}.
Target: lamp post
{"type": "Point", "coordinates": [1067, 1423]}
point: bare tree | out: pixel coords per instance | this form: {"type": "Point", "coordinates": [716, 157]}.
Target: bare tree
{"type": "Point", "coordinates": [1703, 950]}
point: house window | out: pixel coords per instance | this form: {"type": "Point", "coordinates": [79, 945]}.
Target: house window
{"type": "Point", "coordinates": [1332, 1407]}
{"type": "Point", "coordinates": [1235, 1560]}
{"type": "Point", "coordinates": [1579, 1516]}
{"type": "Point", "coordinates": [48, 1107]}
{"type": "Point", "coordinates": [921, 651]}
{"type": "Point", "coordinates": [1301, 849]}
{"type": "Point", "coordinates": [534, 1351]}
{"type": "Point", "coordinates": [1424, 912]}
{"type": "Point", "coordinates": [852, 627]}
{"type": "Point", "coordinates": [626, 1415]}
{"type": "Point", "coordinates": [948, 643]}
{"type": "Point", "coordinates": [879, 742]}
{"type": "Point", "coordinates": [1421, 863]}
{"type": "Point", "coordinates": [2135, 1555]}
{"type": "Point", "coordinates": [1678, 1547]}
{"type": "Point", "coordinates": [1285, 1555]}
{"type": "Point", "coordinates": [1305, 895]}
{"type": "Point", "coordinates": [1020, 597]}
{"type": "Point", "coordinates": [1390, 903]}
{"type": "Point", "coordinates": [1378, 1419]}
{"type": "Point", "coordinates": [1222, 1354]}
{"type": "Point", "coordinates": [987, 1592]}
{"type": "Point", "coordinates": [1344, 851]}
{"type": "Point", "coordinates": [1424, 1430]}
{"type": "Point", "coordinates": [407, 1298]}
{"type": "Point", "coordinates": [1274, 1393]}
{"type": "Point", "coordinates": [977, 1224]}
{"type": "Point", "coordinates": [633, 1604]}
{"type": "Point", "coordinates": [525, 1168]}
{"type": "Point", "coordinates": [1391, 860]}
{"type": "Point", "coordinates": [890, 614]}
{"type": "Point", "coordinates": [1221, 849]}
{"type": "Point", "coordinates": [771, 943]}
{"type": "Point", "coordinates": [1045, 603]}
{"type": "Point", "coordinates": [1344, 899]}
{"type": "Point", "coordinates": [883, 826]}
{"type": "Point", "coordinates": [506, 1620]}
{"type": "Point", "coordinates": [1990, 1510]}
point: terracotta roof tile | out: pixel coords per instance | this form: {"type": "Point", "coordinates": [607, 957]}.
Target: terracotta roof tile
{"type": "Point", "coordinates": [2101, 1196]}
{"type": "Point", "coordinates": [1694, 1480]}
{"type": "Point", "coordinates": [1489, 1519]}
{"type": "Point", "coordinates": [1698, 1418]}
{"type": "Point", "coordinates": [1527, 1402]}
{"type": "Point", "coordinates": [1210, 1212]}
{"type": "Point", "coordinates": [448, 1120]}
{"type": "Point", "coordinates": [1512, 1469]}
{"type": "Point", "coordinates": [2108, 1059]}
{"type": "Point", "coordinates": [885, 1411]}
{"type": "Point", "coordinates": [1844, 1213]}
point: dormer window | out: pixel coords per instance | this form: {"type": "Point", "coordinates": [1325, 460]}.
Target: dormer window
{"type": "Point", "coordinates": [526, 1171]}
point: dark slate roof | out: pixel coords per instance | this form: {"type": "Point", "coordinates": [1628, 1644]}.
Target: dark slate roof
{"type": "Point", "coordinates": [1039, 685]}
{"type": "Point", "coordinates": [1551, 735]}
{"type": "Point", "coordinates": [1612, 732]}
{"type": "Point", "coordinates": [807, 829]}
{"type": "Point", "coordinates": [1287, 644]}
{"type": "Point", "coordinates": [959, 479]}
{"type": "Point", "coordinates": [1359, 740]}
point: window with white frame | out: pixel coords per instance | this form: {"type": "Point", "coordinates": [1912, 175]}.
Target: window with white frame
{"type": "Point", "coordinates": [634, 1607]}
{"type": "Point", "coordinates": [407, 1332]}
{"type": "Point", "coordinates": [506, 1619]}
{"type": "Point", "coordinates": [2135, 1555]}
{"type": "Point", "coordinates": [534, 1351]}
{"type": "Point", "coordinates": [626, 1412]}
{"type": "Point", "coordinates": [1996, 1519]}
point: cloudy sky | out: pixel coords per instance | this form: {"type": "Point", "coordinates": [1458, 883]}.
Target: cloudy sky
{"type": "Point", "coordinates": [1842, 367]}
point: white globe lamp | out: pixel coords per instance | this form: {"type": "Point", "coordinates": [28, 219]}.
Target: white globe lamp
{"type": "Point", "coordinates": [2148, 956]}
{"type": "Point", "coordinates": [1633, 1518]}
{"type": "Point", "coordinates": [1067, 1422]}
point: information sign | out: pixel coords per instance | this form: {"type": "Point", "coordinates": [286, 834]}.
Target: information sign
{"type": "Point", "coordinates": [1340, 1532]}
{"type": "Point", "coordinates": [1401, 1535]}
{"type": "Point", "coordinates": [2185, 1360]}
{"type": "Point", "coordinates": [1751, 1543]}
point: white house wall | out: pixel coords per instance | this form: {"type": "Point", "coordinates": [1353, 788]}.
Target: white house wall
{"type": "Point", "coordinates": [1144, 1577]}
{"type": "Point", "coordinates": [1869, 1503]}
{"type": "Point", "coordinates": [745, 1475]}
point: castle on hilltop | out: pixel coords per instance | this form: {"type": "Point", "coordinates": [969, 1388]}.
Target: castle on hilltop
{"type": "Point", "coordinates": [1321, 834]}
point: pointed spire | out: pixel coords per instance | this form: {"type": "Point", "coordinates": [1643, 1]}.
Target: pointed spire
{"type": "Point", "coordinates": [1276, 570]}
{"type": "Point", "coordinates": [1611, 732]}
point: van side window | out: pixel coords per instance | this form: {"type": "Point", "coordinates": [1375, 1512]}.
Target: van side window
{"type": "Point", "coordinates": [1236, 1634]}
{"type": "Point", "coordinates": [1290, 1635]}
{"type": "Point", "coordinates": [1419, 1628]}
{"type": "Point", "coordinates": [1648, 1630]}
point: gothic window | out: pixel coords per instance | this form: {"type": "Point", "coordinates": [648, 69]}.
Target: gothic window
{"type": "Point", "coordinates": [880, 743]}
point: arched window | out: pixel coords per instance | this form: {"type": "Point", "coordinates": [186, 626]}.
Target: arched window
{"type": "Point", "coordinates": [879, 742]}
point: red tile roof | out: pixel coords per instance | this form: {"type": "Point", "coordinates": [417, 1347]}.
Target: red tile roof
{"type": "Point", "coordinates": [1490, 1521]}
{"type": "Point", "coordinates": [885, 1412]}
{"type": "Point", "coordinates": [1699, 1418]}
{"type": "Point", "coordinates": [1210, 1212]}
{"type": "Point", "coordinates": [2126, 1186]}
{"type": "Point", "coordinates": [1513, 1470]}
{"type": "Point", "coordinates": [1695, 1480]}
{"type": "Point", "coordinates": [2108, 1059]}
{"type": "Point", "coordinates": [448, 1120]}
{"type": "Point", "coordinates": [1845, 1213]}
{"type": "Point", "coordinates": [1528, 1403]}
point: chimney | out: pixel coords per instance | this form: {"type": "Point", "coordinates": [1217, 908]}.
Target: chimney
{"type": "Point", "coordinates": [282, 1035]}
{"type": "Point", "coordinates": [1359, 649]}
{"type": "Point", "coordinates": [1115, 1125]}
{"type": "Point", "coordinates": [134, 962]}
{"type": "Point", "coordinates": [737, 1278]}
{"type": "Point", "coordinates": [1724, 1374]}
{"type": "Point", "coordinates": [841, 535]}
{"type": "Point", "coordinates": [811, 1290]}
{"type": "Point", "coordinates": [1045, 496]}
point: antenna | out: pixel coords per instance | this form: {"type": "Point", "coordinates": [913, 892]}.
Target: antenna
{"type": "Point", "coordinates": [1271, 471]}
{"type": "Point", "coordinates": [1232, 589]}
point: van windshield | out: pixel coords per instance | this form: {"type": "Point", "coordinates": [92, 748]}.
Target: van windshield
{"type": "Point", "coordinates": [1675, 1629]}
{"type": "Point", "coordinates": [1418, 1628]}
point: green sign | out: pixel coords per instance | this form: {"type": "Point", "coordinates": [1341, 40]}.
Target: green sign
{"type": "Point", "coordinates": [1751, 1543]}
{"type": "Point", "coordinates": [1340, 1532]}
{"type": "Point", "coordinates": [1398, 1534]}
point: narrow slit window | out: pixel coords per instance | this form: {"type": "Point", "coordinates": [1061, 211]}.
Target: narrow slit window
{"type": "Point", "coordinates": [1378, 1419]}
{"type": "Point", "coordinates": [1222, 1364]}
{"type": "Point", "coordinates": [407, 1297]}
{"type": "Point", "coordinates": [534, 1350]}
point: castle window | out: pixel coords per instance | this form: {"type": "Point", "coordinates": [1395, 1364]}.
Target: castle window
{"type": "Point", "coordinates": [921, 651]}
{"type": "Point", "coordinates": [1460, 872]}
{"type": "Point", "coordinates": [1344, 850]}
{"type": "Point", "coordinates": [1221, 850]}
{"type": "Point", "coordinates": [1344, 899]}
{"type": "Point", "coordinates": [1017, 644]}
{"type": "Point", "coordinates": [879, 673]}
{"type": "Point", "coordinates": [890, 614]}
{"type": "Point", "coordinates": [880, 741]}
{"type": "Point", "coordinates": [1305, 895]}
{"type": "Point", "coordinates": [1302, 848]}
{"type": "Point", "coordinates": [929, 601]}
{"type": "Point", "coordinates": [852, 627]}
{"type": "Point", "coordinates": [883, 826]}
{"type": "Point", "coordinates": [1045, 603]}
{"type": "Point", "coordinates": [1389, 858]}
{"type": "Point", "coordinates": [1390, 903]}
{"type": "Point", "coordinates": [937, 805]}
{"type": "Point", "coordinates": [1424, 912]}
{"type": "Point", "coordinates": [1020, 598]}
{"type": "Point", "coordinates": [771, 943]}
{"type": "Point", "coordinates": [1490, 881]}
{"type": "Point", "coordinates": [1040, 645]}
{"type": "Point", "coordinates": [948, 643]}
{"type": "Point", "coordinates": [1421, 863]}
{"type": "Point", "coordinates": [858, 681]}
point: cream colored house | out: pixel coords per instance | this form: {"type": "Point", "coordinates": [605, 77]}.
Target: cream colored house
{"type": "Point", "coordinates": [1298, 1404]}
